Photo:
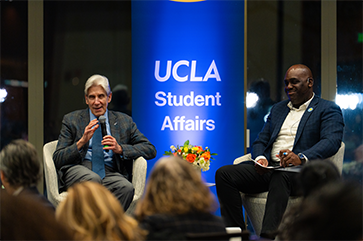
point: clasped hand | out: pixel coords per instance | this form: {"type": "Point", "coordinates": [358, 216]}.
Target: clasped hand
{"type": "Point", "coordinates": [288, 158]}
{"type": "Point", "coordinates": [110, 143]}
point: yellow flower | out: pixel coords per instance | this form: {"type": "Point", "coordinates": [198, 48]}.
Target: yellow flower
{"type": "Point", "coordinates": [185, 149]}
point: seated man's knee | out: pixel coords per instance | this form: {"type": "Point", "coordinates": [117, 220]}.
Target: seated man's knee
{"type": "Point", "coordinates": [126, 188]}
{"type": "Point", "coordinates": [129, 188]}
{"type": "Point", "coordinates": [221, 173]}
{"type": "Point", "coordinates": [124, 193]}
{"type": "Point", "coordinates": [92, 177]}
{"type": "Point", "coordinates": [279, 176]}
{"type": "Point", "coordinates": [222, 170]}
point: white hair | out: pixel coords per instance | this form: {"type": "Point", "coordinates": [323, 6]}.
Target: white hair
{"type": "Point", "coordinates": [95, 80]}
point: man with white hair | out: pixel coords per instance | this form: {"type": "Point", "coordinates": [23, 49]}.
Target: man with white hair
{"type": "Point", "coordinates": [82, 153]}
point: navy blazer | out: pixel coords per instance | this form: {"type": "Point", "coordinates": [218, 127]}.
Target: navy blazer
{"type": "Point", "coordinates": [134, 144]}
{"type": "Point", "coordinates": [318, 136]}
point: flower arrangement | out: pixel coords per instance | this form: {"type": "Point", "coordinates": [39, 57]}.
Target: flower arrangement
{"type": "Point", "coordinates": [196, 155]}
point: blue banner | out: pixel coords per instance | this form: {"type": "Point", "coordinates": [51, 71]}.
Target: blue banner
{"type": "Point", "coordinates": [188, 76]}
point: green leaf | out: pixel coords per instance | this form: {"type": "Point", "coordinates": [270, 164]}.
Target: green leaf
{"type": "Point", "coordinates": [168, 153]}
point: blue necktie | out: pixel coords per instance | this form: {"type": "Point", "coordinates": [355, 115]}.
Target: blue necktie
{"type": "Point", "coordinates": [98, 163]}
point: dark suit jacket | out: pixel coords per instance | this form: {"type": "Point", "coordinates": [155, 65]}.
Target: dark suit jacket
{"type": "Point", "coordinates": [175, 227]}
{"type": "Point", "coordinates": [33, 193]}
{"type": "Point", "coordinates": [134, 144]}
{"type": "Point", "coordinates": [318, 136]}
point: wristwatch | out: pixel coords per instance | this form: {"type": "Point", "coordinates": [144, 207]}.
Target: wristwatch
{"type": "Point", "coordinates": [302, 158]}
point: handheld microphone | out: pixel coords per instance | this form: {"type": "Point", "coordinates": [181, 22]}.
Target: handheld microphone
{"type": "Point", "coordinates": [102, 120]}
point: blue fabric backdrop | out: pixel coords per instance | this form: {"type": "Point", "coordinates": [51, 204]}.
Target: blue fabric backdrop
{"type": "Point", "coordinates": [188, 76]}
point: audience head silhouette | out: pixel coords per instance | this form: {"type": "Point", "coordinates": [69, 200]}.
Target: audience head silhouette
{"type": "Point", "coordinates": [333, 213]}
{"type": "Point", "coordinates": [19, 165]}
{"type": "Point", "coordinates": [93, 213]}
{"type": "Point", "coordinates": [174, 187]}
{"type": "Point", "coordinates": [315, 174]}
{"type": "Point", "coordinates": [25, 218]}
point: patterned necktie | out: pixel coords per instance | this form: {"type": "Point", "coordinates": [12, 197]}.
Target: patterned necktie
{"type": "Point", "coordinates": [98, 163]}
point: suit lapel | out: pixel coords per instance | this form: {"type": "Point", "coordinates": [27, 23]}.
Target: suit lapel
{"type": "Point", "coordinates": [281, 118]}
{"type": "Point", "coordinates": [305, 117]}
{"type": "Point", "coordinates": [84, 119]}
{"type": "Point", "coordinates": [114, 125]}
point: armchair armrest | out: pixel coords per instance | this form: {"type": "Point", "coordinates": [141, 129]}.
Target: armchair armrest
{"type": "Point", "coordinates": [139, 176]}
{"type": "Point", "coordinates": [243, 158]}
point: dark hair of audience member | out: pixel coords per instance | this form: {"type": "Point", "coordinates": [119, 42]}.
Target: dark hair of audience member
{"type": "Point", "coordinates": [25, 218]}
{"type": "Point", "coordinates": [315, 174]}
{"type": "Point", "coordinates": [332, 213]}
{"type": "Point", "coordinates": [93, 213]}
{"type": "Point", "coordinates": [174, 187]}
{"type": "Point", "coordinates": [20, 164]}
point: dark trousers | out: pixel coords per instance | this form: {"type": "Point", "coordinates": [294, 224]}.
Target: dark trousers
{"type": "Point", "coordinates": [113, 181]}
{"type": "Point", "coordinates": [232, 179]}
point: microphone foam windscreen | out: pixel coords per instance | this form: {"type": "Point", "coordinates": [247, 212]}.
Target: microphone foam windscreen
{"type": "Point", "coordinates": [102, 119]}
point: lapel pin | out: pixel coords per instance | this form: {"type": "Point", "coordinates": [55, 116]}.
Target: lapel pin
{"type": "Point", "coordinates": [115, 123]}
{"type": "Point", "coordinates": [310, 109]}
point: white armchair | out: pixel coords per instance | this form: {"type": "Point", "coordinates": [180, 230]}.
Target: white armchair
{"type": "Point", "coordinates": [50, 173]}
{"type": "Point", "coordinates": [254, 204]}
{"type": "Point", "coordinates": [51, 179]}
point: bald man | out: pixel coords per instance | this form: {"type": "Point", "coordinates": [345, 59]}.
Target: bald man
{"type": "Point", "coordinates": [301, 129]}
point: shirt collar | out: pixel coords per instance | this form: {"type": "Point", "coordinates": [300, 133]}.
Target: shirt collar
{"type": "Point", "coordinates": [92, 116]}
{"type": "Point", "coordinates": [17, 191]}
{"type": "Point", "coordinates": [303, 106]}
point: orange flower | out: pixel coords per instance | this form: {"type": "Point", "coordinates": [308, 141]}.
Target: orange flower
{"type": "Point", "coordinates": [200, 149]}
{"type": "Point", "coordinates": [206, 156]}
{"type": "Point", "coordinates": [191, 157]}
